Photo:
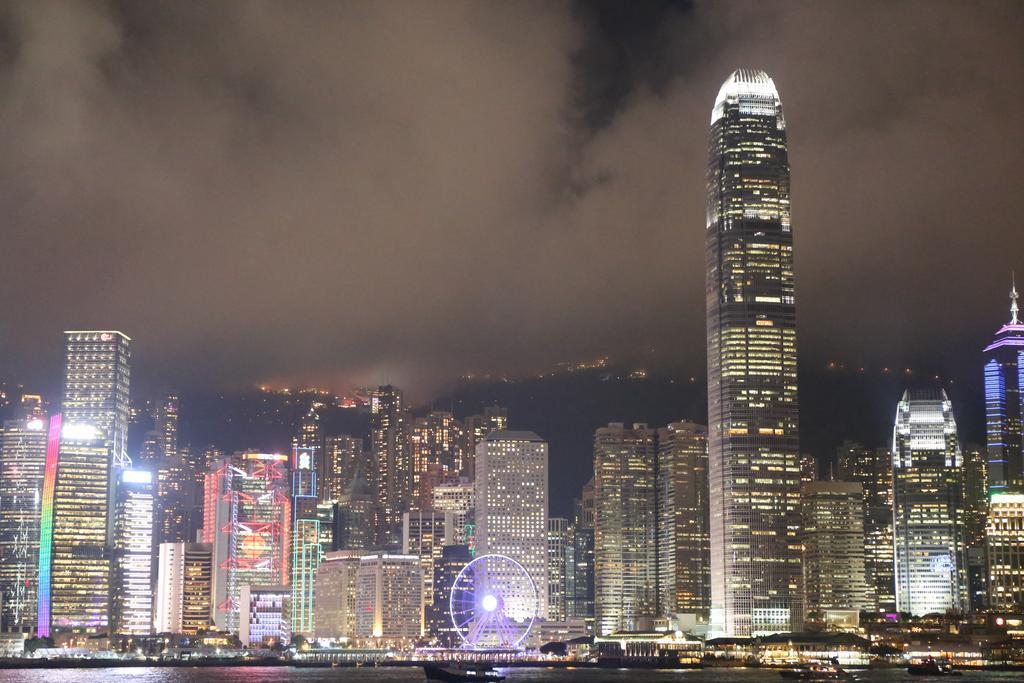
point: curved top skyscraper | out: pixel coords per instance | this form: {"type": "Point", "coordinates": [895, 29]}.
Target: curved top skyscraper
{"type": "Point", "coordinates": [753, 414]}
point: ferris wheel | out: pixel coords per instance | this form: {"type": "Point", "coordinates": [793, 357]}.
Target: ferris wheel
{"type": "Point", "coordinates": [494, 603]}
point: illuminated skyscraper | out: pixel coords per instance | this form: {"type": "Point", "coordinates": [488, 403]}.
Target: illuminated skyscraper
{"type": "Point", "coordinates": [474, 429]}
{"type": "Point", "coordinates": [833, 546]}
{"type": "Point", "coordinates": [356, 516]}
{"type": "Point", "coordinates": [976, 493]}
{"type": "Point", "coordinates": [306, 549]}
{"type": "Point", "coordinates": [872, 469]}
{"type": "Point", "coordinates": [342, 454]}
{"type": "Point", "coordinates": [435, 454]}
{"type": "Point", "coordinates": [457, 498]}
{"type": "Point", "coordinates": [22, 463]}
{"type": "Point", "coordinates": [683, 543]}
{"type": "Point", "coordinates": [580, 598]}
{"type": "Point", "coordinates": [392, 473]}
{"type": "Point", "coordinates": [753, 430]}
{"type": "Point", "coordinates": [928, 506]}
{"type": "Point", "coordinates": [132, 588]}
{"type": "Point", "coordinates": [1006, 552]}
{"type": "Point", "coordinates": [336, 594]}
{"type": "Point", "coordinates": [625, 576]}
{"type": "Point", "coordinates": [558, 554]}
{"type": "Point", "coordinates": [175, 493]}
{"type": "Point", "coordinates": [1004, 403]}
{"type": "Point", "coordinates": [424, 534]}
{"type": "Point", "coordinates": [167, 424]}
{"type": "Point", "coordinates": [389, 597]}
{"type": "Point", "coordinates": [439, 617]}
{"type": "Point", "coordinates": [512, 508]}
{"type": "Point", "coordinates": [247, 519]}
{"type": "Point", "coordinates": [93, 449]}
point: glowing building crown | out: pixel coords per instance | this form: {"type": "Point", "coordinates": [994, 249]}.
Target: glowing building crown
{"type": "Point", "coordinates": [748, 87]}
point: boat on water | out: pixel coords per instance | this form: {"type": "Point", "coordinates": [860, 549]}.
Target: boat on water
{"type": "Point", "coordinates": [456, 672]}
{"type": "Point", "coordinates": [824, 671]}
{"type": "Point", "coordinates": [932, 667]}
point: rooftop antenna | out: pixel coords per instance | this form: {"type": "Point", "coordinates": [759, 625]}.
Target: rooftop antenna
{"type": "Point", "coordinates": [1014, 309]}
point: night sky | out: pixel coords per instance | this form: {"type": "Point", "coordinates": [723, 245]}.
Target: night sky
{"type": "Point", "coordinates": [345, 194]}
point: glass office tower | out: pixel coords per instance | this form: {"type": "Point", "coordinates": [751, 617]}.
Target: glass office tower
{"type": "Point", "coordinates": [753, 440]}
{"type": "Point", "coordinates": [93, 449]}
{"type": "Point", "coordinates": [1004, 404]}
{"type": "Point", "coordinates": [928, 506]}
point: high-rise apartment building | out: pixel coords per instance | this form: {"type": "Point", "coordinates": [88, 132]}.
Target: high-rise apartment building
{"type": "Point", "coordinates": [872, 469]}
{"type": "Point", "coordinates": [833, 546]}
{"type": "Point", "coordinates": [389, 597]}
{"type": "Point", "coordinates": [474, 429]}
{"type": "Point", "coordinates": [184, 588]}
{"type": "Point", "coordinates": [457, 498]}
{"type": "Point", "coordinates": [132, 586]}
{"type": "Point", "coordinates": [1004, 403]}
{"type": "Point", "coordinates": [928, 506]}
{"type": "Point", "coordinates": [1006, 552]}
{"type": "Point", "coordinates": [753, 413]}
{"type": "Point", "coordinates": [343, 455]}
{"type": "Point", "coordinates": [93, 450]}
{"type": "Point", "coordinates": [435, 443]}
{"type": "Point", "coordinates": [392, 472]}
{"type": "Point", "coordinates": [625, 576]}
{"type": "Point", "coordinates": [22, 463]}
{"type": "Point", "coordinates": [356, 516]}
{"type": "Point", "coordinates": [683, 524]}
{"type": "Point", "coordinates": [512, 508]}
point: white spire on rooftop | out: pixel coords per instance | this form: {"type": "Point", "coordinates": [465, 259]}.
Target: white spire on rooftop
{"type": "Point", "coordinates": [1014, 309]}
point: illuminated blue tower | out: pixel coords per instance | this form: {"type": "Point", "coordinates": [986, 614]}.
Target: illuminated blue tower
{"type": "Point", "coordinates": [1004, 403]}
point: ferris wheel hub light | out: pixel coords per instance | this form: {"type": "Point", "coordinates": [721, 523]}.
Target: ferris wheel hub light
{"type": "Point", "coordinates": [490, 603]}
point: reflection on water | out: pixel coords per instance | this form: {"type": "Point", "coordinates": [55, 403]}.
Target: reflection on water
{"type": "Point", "coordinates": [384, 674]}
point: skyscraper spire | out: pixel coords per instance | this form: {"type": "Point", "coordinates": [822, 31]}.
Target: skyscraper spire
{"type": "Point", "coordinates": [1014, 309]}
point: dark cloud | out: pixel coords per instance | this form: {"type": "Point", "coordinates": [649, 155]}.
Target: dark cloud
{"type": "Point", "coordinates": [357, 192]}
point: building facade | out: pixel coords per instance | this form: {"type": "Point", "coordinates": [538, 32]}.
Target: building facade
{"type": "Point", "coordinates": [928, 506]}
{"type": "Point", "coordinates": [835, 576]}
{"type": "Point", "coordinates": [559, 552]}
{"type": "Point", "coordinates": [264, 614]}
{"type": "Point", "coordinates": [1006, 552]}
{"type": "Point", "coordinates": [391, 475]}
{"type": "Point", "coordinates": [1004, 403]}
{"type": "Point", "coordinates": [184, 588]}
{"type": "Point", "coordinates": [132, 594]}
{"type": "Point", "coordinates": [93, 449]}
{"type": "Point", "coordinates": [683, 541]}
{"type": "Point", "coordinates": [306, 548]}
{"type": "Point", "coordinates": [625, 576]}
{"type": "Point", "coordinates": [389, 597]}
{"type": "Point", "coordinates": [512, 506]}
{"type": "Point", "coordinates": [22, 464]}
{"type": "Point", "coordinates": [753, 411]}
{"type": "Point", "coordinates": [872, 469]}
{"type": "Point", "coordinates": [438, 618]}
{"type": "Point", "coordinates": [335, 611]}
{"type": "Point", "coordinates": [424, 534]}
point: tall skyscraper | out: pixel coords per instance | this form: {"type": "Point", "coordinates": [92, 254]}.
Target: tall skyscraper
{"type": "Point", "coordinates": [306, 549]}
{"type": "Point", "coordinates": [439, 617]}
{"type": "Point", "coordinates": [184, 588]}
{"type": "Point", "coordinates": [512, 507]}
{"type": "Point", "coordinates": [93, 450]}
{"type": "Point", "coordinates": [1004, 403]}
{"type": "Point", "coordinates": [22, 463]}
{"type": "Point", "coordinates": [872, 469]}
{"type": "Point", "coordinates": [928, 506]}
{"type": "Point", "coordinates": [976, 501]}
{"type": "Point", "coordinates": [343, 454]}
{"type": "Point", "coordinates": [167, 424]}
{"type": "Point", "coordinates": [132, 594]}
{"type": "Point", "coordinates": [1006, 552]}
{"type": "Point", "coordinates": [435, 444]}
{"type": "Point", "coordinates": [457, 498]}
{"type": "Point", "coordinates": [683, 542]}
{"type": "Point", "coordinates": [753, 413]}
{"type": "Point", "coordinates": [392, 473]}
{"type": "Point", "coordinates": [356, 516]}
{"type": "Point", "coordinates": [580, 599]}
{"type": "Point", "coordinates": [833, 543]}
{"type": "Point", "coordinates": [247, 516]}
{"type": "Point", "coordinates": [558, 554]}
{"type": "Point", "coordinates": [625, 577]}
{"type": "Point", "coordinates": [424, 534]}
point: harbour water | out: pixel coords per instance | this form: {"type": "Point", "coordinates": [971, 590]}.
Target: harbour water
{"type": "Point", "coordinates": [415, 675]}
